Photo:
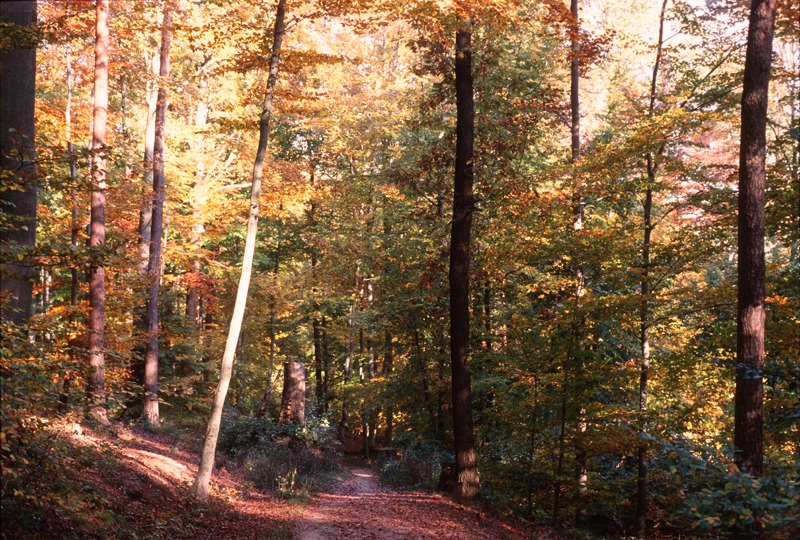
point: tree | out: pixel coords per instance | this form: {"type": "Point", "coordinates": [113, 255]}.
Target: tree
{"type": "Point", "coordinates": [293, 400]}
{"type": "Point", "coordinates": [644, 313]}
{"type": "Point", "coordinates": [18, 194]}
{"type": "Point", "coordinates": [97, 272]}
{"type": "Point", "coordinates": [200, 487]}
{"type": "Point", "coordinates": [467, 482]}
{"type": "Point", "coordinates": [150, 406]}
{"type": "Point", "coordinates": [750, 320]}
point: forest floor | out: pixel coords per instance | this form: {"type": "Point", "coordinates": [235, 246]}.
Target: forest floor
{"type": "Point", "coordinates": [126, 483]}
{"type": "Point", "coordinates": [360, 508]}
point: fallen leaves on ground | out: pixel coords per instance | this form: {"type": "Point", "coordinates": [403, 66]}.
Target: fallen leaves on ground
{"type": "Point", "coordinates": [360, 508]}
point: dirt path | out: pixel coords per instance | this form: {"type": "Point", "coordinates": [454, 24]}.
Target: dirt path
{"type": "Point", "coordinates": [360, 508]}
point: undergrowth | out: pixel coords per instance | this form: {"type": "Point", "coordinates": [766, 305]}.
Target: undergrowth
{"type": "Point", "coordinates": [418, 467]}
{"type": "Point", "coordinates": [290, 461]}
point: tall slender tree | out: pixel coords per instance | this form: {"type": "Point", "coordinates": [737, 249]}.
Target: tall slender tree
{"type": "Point", "coordinates": [17, 86]}
{"type": "Point", "coordinates": [644, 309]}
{"type": "Point", "coordinates": [97, 237]}
{"type": "Point", "coordinates": [467, 481]}
{"type": "Point", "coordinates": [200, 487]}
{"type": "Point", "coordinates": [748, 417]}
{"type": "Point", "coordinates": [150, 406]}
{"type": "Point", "coordinates": [581, 474]}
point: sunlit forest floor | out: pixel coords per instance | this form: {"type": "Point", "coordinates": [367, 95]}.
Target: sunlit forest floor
{"type": "Point", "coordinates": [360, 507]}
{"type": "Point", "coordinates": [127, 483]}
{"type": "Point", "coordinates": [131, 484]}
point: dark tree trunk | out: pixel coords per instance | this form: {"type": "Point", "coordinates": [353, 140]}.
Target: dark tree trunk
{"type": "Point", "coordinates": [347, 372]}
{"type": "Point", "coordinates": [748, 420]}
{"type": "Point", "coordinates": [487, 315]}
{"type": "Point", "coordinates": [388, 366]}
{"type": "Point", "coordinates": [423, 372]}
{"type": "Point", "coordinates": [150, 407]}
{"type": "Point", "coordinates": [440, 393]}
{"type": "Point", "coordinates": [270, 384]}
{"type": "Point", "coordinates": [18, 85]}
{"type": "Point", "coordinates": [319, 384]}
{"type": "Point", "coordinates": [468, 482]}
{"type": "Point", "coordinates": [293, 402]}
{"type": "Point", "coordinates": [326, 366]}
{"type": "Point", "coordinates": [644, 371]}
{"type": "Point", "coordinates": [562, 435]}
{"type": "Point", "coordinates": [532, 443]}
{"type": "Point", "coordinates": [97, 238]}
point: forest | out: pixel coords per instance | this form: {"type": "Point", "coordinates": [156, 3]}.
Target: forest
{"type": "Point", "coordinates": [531, 269]}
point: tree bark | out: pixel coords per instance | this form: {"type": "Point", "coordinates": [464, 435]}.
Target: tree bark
{"type": "Point", "coordinates": [748, 416]}
{"type": "Point", "coordinates": [200, 487]}
{"type": "Point", "coordinates": [18, 86]}
{"type": "Point", "coordinates": [468, 481]}
{"type": "Point", "coordinates": [293, 401]}
{"type": "Point", "coordinates": [150, 411]}
{"type": "Point", "coordinates": [97, 271]}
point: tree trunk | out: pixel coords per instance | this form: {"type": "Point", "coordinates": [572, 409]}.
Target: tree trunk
{"type": "Point", "coordinates": [74, 289]}
{"type": "Point", "coordinates": [347, 372]}
{"type": "Point", "coordinates": [468, 482]}
{"type": "Point", "coordinates": [97, 238]}
{"type": "Point", "coordinates": [388, 365]}
{"type": "Point", "coordinates": [748, 419]}
{"type": "Point", "coordinates": [146, 212]}
{"type": "Point", "coordinates": [644, 316]}
{"type": "Point", "coordinates": [200, 487]}
{"type": "Point", "coordinates": [18, 88]}
{"type": "Point", "coordinates": [423, 372]}
{"type": "Point", "coordinates": [293, 401]}
{"type": "Point", "coordinates": [193, 287]}
{"type": "Point", "coordinates": [581, 474]}
{"type": "Point", "coordinates": [262, 409]}
{"type": "Point", "coordinates": [326, 366]}
{"type": "Point", "coordinates": [562, 435]}
{"type": "Point", "coordinates": [644, 372]}
{"type": "Point", "coordinates": [532, 443]}
{"type": "Point", "coordinates": [150, 406]}
{"type": "Point", "coordinates": [320, 394]}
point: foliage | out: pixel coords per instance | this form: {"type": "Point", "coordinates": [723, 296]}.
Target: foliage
{"type": "Point", "coordinates": [718, 496]}
{"type": "Point", "coordinates": [418, 466]}
{"type": "Point", "coordinates": [239, 434]}
{"type": "Point", "coordinates": [289, 470]}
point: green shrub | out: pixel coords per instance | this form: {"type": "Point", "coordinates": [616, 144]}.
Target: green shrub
{"type": "Point", "coordinates": [718, 496]}
{"type": "Point", "coordinates": [239, 434]}
{"type": "Point", "coordinates": [289, 470]}
{"type": "Point", "coordinates": [417, 468]}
